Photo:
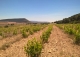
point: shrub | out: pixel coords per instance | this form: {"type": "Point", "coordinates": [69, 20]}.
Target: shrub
{"type": "Point", "coordinates": [33, 48]}
{"type": "Point", "coordinates": [12, 24]}
{"type": "Point", "coordinates": [34, 29]}
{"type": "Point", "coordinates": [46, 35]}
{"type": "Point", "coordinates": [15, 32]}
{"type": "Point", "coordinates": [44, 38]}
{"type": "Point", "coordinates": [31, 32]}
{"type": "Point", "coordinates": [70, 31]}
{"type": "Point", "coordinates": [6, 26]}
{"type": "Point", "coordinates": [77, 39]}
{"type": "Point", "coordinates": [0, 33]}
{"type": "Point", "coordinates": [24, 34]}
{"type": "Point", "coordinates": [27, 29]}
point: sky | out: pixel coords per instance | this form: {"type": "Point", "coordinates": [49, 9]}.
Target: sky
{"type": "Point", "coordinates": [39, 10]}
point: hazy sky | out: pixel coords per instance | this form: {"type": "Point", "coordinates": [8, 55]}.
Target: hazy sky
{"type": "Point", "coordinates": [39, 10]}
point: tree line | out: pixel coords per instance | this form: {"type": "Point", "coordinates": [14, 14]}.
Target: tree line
{"type": "Point", "coordinates": [72, 19]}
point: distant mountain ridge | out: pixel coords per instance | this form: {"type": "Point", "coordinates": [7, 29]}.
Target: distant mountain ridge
{"type": "Point", "coordinates": [39, 22]}
{"type": "Point", "coordinates": [18, 20]}
{"type": "Point", "coordinates": [21, 20]}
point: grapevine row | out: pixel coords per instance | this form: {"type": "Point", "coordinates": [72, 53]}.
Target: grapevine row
{"type": "Point", "coordinates": [19, 29]}
{"type": "Point", "coordinates": [34, 47]}
{"type": "Point", "coordinates": [72, 29]}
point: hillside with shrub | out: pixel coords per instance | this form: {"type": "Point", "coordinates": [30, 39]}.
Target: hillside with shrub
{"type": "Point", "coordinates": [72, 19]}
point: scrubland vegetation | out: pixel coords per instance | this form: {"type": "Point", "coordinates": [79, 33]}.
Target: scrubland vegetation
{"type": "Point", "coordinates": [72, 19]}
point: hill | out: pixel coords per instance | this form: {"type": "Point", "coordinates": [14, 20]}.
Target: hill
{"type": "Point", "coordinates": [43, 22]}
{"type": "Point", "coordinates": [17, 20]}
{"type": "Point", "coordinates": [20, 20]}
{"type": "Point", "coordinates": [72, 19]}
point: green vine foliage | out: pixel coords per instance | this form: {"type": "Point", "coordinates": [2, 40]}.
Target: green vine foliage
{"type": "Point", "coordinates": [33, 48]}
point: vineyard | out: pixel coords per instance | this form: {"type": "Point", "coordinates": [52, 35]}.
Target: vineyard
{"type": "Point", "coordinates": [40, 40]}
{"type": "Point", "coordinates": [12, 31]}
{"type": "Point", "coordinates": [8, 31]}
{"type": "Point", "coordinates": [34, 47]}
{"type": "Point", "coordinates": [72, 29]}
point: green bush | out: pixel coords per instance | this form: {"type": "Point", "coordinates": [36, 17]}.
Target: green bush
{"type": "Point", "coordinates": [31, 32]}
{"type": "Point", "coordinates": [6, 26]}
{"type": "Point", "coordinates": [24, 34]}
{"type": "Point", "coordinates": [0, 33]}
{"type": "Point", "coordinates": [15, 32]}
{"type": "Point", "coordinates": [77, 39]}
{"type": "Point", "coordinates": [70, 31]}
{"type": "Point", "coordinates": [27, 29]}
{"type": "Point", "coordinates": [34, 29]}
{"type": "Point", "coordinates": [33, 48]}
{"type": "Point", "coordinates": [46, 35]}
{"type": "Point", "coordinates": [44, 38]}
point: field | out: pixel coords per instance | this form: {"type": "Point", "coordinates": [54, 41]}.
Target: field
{"type": "Point", "coordinates": [40, 40]}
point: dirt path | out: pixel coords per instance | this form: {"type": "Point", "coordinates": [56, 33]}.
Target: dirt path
{"type": "Point", "coordinates": [60, 45]}
{"type": "Point", "coordinates": [17, 48]}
